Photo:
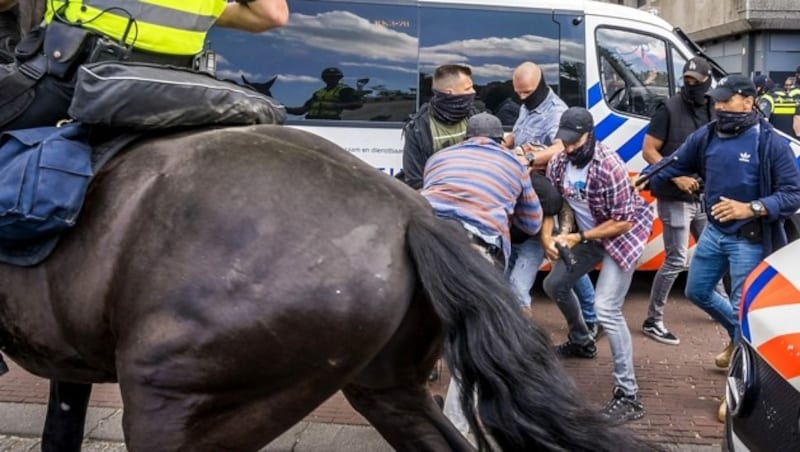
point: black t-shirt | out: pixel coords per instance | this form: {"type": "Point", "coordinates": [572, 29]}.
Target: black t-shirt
{"type": "Point", "coordinates": [659, 124]}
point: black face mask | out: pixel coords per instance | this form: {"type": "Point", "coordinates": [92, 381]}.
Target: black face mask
{"type": "Point", "coordinates": [582, 156]}
{"type": "Point", "coordinates": [734, 123]}
{"type": "Point", "coordinates": [696, 94]}
{"type": "Point", "coordinates": [451, 108]}
{"type": "Point", "coordinates": [537, 96]}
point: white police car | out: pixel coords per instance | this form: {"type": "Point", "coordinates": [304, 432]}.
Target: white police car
{"type": "Point", "coordinates": [763, 384]}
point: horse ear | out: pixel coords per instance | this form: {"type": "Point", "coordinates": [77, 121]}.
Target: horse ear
{"type": "Point", "coordinates": [268, 84]}
{"type": "Point", "coordinates": [244, 79]}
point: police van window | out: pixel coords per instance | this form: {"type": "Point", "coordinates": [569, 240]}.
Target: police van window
{"type": "Point", "coordinates": [333, 61]}
{"type": "Point", "coordinates": [492, 43]}
{"type": "Point", "coordinates": [633, 70]}
{"type": "Point", "coordinates": [678, 61]}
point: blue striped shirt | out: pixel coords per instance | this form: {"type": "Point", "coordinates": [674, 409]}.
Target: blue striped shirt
{"type": "Point", "coordinates": [482, 184]}
{"type": "Point", "coordinates": [539, 125]}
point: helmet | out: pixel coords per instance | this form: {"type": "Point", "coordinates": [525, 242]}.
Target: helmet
{"type": "Point", "coordinates": [332, 73]}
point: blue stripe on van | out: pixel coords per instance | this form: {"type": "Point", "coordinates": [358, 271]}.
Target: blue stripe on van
{"type": "Point", "coordinates": [632, 147]}
{"type": "Point", "coordinates": [755, 288]}
{"type": "Point", "coordinates": [594, 95]}
{"type": "Point", "coordinates": [607, 126]}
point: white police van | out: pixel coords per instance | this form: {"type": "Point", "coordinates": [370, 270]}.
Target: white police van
{"type": "Point", "coordinates": [617, 61]}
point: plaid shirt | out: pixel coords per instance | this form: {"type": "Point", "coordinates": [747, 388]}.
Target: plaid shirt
{"type": "Point", "coordinates": [611, 197]}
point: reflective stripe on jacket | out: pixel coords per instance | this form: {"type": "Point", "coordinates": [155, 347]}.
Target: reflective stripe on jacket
{"type": "Point", "coordinates": [173, 27]}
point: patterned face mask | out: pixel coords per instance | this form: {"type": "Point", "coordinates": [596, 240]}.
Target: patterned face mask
{"type": "Point", "coordinates": [451, 108]}
{"type": "Point", "coordinates": [582, 156]}
{"type": "Point", "coordinates": [732, 123]}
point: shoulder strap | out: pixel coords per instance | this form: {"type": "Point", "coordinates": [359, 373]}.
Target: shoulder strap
{"type": "Point", "coordinates": [22, 78]}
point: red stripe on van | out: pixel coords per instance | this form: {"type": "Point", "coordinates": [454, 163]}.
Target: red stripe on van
{"type": "Point", "coordinates": [778, 292]}
{"type": "Point", "coordinates": [783, 354]}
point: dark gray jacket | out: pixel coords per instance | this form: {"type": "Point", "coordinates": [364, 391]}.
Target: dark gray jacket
{"type": "Point", "coordinates": [418, 146]}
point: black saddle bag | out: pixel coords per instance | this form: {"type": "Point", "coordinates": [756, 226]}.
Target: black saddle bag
{"type": "Point", "coordinates": [143, 96]}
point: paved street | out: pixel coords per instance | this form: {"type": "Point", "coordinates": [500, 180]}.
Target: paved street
{"type": "Point", "coordinates": [680, 387]}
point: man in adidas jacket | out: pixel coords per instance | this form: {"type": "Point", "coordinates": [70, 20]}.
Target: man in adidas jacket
{"type": "Point", "coordinates": [752, 184]}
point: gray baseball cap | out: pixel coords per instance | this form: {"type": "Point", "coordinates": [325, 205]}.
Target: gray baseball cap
{"type": "Point", "coordinates": [485, 125]}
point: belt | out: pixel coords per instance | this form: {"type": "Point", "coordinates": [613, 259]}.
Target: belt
{"type": "Point", "coordinates": [492, 251]}
{"type": "Point", "coordinates": [106, 50]}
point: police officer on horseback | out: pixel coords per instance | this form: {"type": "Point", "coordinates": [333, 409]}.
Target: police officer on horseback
{"type": "Point", "coordinates": [78, 32]}
{"type": "Point", "coordinates": [329, 102]}
{"type": "Point", "coordinates": [37, 87]}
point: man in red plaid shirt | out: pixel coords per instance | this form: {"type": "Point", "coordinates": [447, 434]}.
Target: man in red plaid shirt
{"type": "Point", "coordinates": [614, 224]}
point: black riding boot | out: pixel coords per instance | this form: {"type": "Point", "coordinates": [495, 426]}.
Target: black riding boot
{"type": "Point", "coordinates": [9, 36]}
{"type": "Point", "coordinates": [3, 367]}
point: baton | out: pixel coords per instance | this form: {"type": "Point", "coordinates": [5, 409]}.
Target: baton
{"type": "Point", "coordinates": [655, 169]}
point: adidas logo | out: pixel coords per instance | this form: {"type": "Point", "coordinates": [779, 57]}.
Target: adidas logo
{"type": "Point", "coordinates": [744, 157]}
{"type": "Point", "coordinates": [692, 66]}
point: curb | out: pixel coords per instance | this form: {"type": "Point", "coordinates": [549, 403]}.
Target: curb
{"type": "Point", "coordinates": [21, 425]}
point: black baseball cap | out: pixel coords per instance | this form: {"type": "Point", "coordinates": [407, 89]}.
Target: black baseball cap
{"type": "Point", "coordinates": [697, 68]}
{"type": "Point", "coordinates": [763, 81]}
{"type": "Point", "coordinates": [573, 124]}
{"type": "Point", "coordinates": [733, 84]}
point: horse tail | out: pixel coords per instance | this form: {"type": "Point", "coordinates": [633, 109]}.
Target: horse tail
{"type": "Point", "coordinates": [525, 398]}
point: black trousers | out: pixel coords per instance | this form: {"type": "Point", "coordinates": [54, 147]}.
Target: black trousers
{"type": "Point", "coordinates": [44, 104]}
{"type": "Point", "coordinates": [9, 35]}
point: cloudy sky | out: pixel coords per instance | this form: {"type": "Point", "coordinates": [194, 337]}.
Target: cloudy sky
{"type": "Point", "coordinates": [381, 42]}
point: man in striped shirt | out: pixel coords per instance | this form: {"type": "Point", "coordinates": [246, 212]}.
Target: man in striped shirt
{"type": "Point", "coordinates": [482, 184]}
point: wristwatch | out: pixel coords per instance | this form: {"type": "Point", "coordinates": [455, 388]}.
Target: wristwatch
{"type": "Point", "coordinates": [757, 207]}
{"type": "Point", "coordinates": [583, 237]}
{"type": "Point", "coordinates": [531, 158]}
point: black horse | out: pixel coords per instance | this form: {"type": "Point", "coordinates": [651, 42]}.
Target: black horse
{"type": "Point", "coordinates": [232, 280]}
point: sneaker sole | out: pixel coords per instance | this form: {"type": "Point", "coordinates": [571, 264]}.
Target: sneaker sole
{"type": "Point", "coordinates": [631, 417]}
{"type": "Point", "coordinates": [660, 339]}
{"type": "Point", "coordinates": [577, 356]}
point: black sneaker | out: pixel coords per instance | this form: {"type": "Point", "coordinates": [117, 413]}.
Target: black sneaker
{"type": "Point", "coordinates": [657, 332]}
{"type": "Point", "coordinates": [3, 366]}
{"type": "Point", "coordinates": [595, 329]}
{"type": "Point", "coordinates": [572, 350]}
{"type": "Point", "coordinates": [621, 408]}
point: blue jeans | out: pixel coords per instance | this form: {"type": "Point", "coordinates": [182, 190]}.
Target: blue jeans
{"type": "Point", "coordinates": [716, 253]}
{"type": "Point", "coordinates": [525, 260]}
{"type": "Point", "coordinates": [612, 286]}
{"type": "Point", "coordinates": [679, 219]}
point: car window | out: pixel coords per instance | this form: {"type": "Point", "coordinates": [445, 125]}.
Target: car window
{"type": "Point", "coordinates": [678, 61]}
{"type": "Point", "coordinates": [368, 50]}
{"type": "Point", "coordinates": [493, 43]}
{"type": "Point", "coordinates": [633, 70]}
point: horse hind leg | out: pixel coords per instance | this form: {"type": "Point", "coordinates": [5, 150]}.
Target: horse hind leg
{"type": "Point", "coordinates": [407, 417]}
{"type": "Point", "coordinates": [391, 392]}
